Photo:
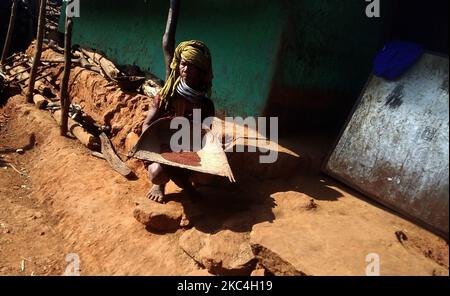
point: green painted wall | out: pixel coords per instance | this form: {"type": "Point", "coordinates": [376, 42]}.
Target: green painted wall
{"type": "Point", "coordinates": [312, 45]}
{"type": "Point", "coordinates": [242, 36]}
{"type": "Point", "coordinates": [328, 44]}
{"type": "Point", "coordinates": [325, 57]}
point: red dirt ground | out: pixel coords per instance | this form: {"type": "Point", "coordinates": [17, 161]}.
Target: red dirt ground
{"type": "Point", "coordinates": [68, 201]}
{"type": "Point", "coordinates": [63, 200]}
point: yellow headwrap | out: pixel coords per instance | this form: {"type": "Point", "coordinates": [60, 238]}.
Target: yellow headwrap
{"type": "Point", "coordinates": [194, 52]}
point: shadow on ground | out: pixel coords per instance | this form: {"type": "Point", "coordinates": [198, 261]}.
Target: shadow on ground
{"type": "Point", "coordinates": [27, 147]}
{"type": "Point", "coordinates": [237, 207]}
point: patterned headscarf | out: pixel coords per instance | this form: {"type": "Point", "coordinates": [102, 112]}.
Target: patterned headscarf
{"type": "Point", "coordinates": [194, 52]}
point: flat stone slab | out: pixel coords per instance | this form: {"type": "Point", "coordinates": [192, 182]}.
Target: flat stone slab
{"type": "Point", "coordinates": [159, 217]}
{"type": "Point", "coordinates": [333, 245]}
{"type": "Point", "coordinates": [258, 272]}
{"type": "Point", "coordinates": [222, 253]}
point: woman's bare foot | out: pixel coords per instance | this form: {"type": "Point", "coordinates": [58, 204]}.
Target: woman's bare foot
{"type": "Point", "coordinates": [156, 193]}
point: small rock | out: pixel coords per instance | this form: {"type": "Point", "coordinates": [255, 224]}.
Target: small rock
{"type": "Point", "coordinates": [36, 215]}
{"type": "Point", "coordinates": [20, 151]}
{"type": "Point", "coordinates": [312, 205]}
{"type": "Point", "coordinates": [270, 244]}
{"type": "Point", "coordinates": [258, 272]}
{"type": "Point", "coordinates": [222, 253]}
{"type": "Point", "coordinates": [159, 217]}
{"type": "Point", "coordinates": [401, 236]}
{"type": "Point", "coordinates": [42, 233]}
{"type": "Point", "coordinates": [131, 140]}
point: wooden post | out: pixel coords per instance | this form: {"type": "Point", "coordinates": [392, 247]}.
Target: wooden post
{"type": "Point", "coordinates": [12, 21]}
{"type": "Point", "coordinates": [77, 130]}
{"type": "Point", "coordinates": [33, 6]}
{"type": "Point", "coordinates": [168, 42]}
{"type": "Point", "coordinates": [65, 102]}
{"type": "Point", "coordinates": [38, 51]}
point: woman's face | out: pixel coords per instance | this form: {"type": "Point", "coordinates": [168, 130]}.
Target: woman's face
{"type": "Point", "coordinates": [192, 75]}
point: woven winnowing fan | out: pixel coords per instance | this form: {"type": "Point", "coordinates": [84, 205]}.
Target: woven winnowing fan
{"type": "Point", "coordinates": [154, 145]}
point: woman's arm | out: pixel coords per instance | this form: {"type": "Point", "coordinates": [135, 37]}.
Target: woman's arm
{"type": "Point", "coordinates": [152, 115]}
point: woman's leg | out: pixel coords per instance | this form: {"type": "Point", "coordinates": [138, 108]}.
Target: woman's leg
{"type": "Point", "coordinates": [159, 179]}
{"type": "Point", "coordinates": [181, 177]}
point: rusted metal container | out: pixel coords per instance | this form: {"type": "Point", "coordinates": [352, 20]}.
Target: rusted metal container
{"type": "Point", "coordinates": [394, 147]}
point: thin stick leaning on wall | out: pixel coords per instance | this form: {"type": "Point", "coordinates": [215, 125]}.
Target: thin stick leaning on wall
{"type": "Point", "coordinates": [64, 96]}
{"type": "Point", "coordinates": [7, 45]}
{"type": "Point", "coordinates": [168, 42]}
{"type": "Point", "coordinates": [37, 51]}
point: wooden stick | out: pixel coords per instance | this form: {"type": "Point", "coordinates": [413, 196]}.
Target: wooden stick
{"type": "Point", "coordinates": [98, 155]}
{"type": "Point", "coordinates": [51, 44]}
{"type": "Point", "coordinates": [106, 65]}
{"type": "Point", "coordinates": [168, 41]}
{"type": "Point", "coordinates": [14, 56]}
{"type": "Point", "coordinates": [111, 157]}
{"type": "Point", "coordinates": [40, 101]}
{"type": "Point", "coordinates": [27, 69]}
{"type": "Point", "coordinates": [41, 87]}
{"type": "Point", "coordinates": [85, 64]}
{"type": "Point", "coordinates": [20, 72]}
{"type": "Point", "coordinates": [60, 61]}
{"type": "Point", "coordinates": [18, 64]}
{"type": "Point", "coordinates": [44, 89]}
{"type": "Point", "coordinates": [20, 77]}
{"type": "Point", "coordinates": [9, 35]}
{"type": "Point", "coordinates": [14, 168]}
{"type": "Point", "coordinates": [36, 79]}
{"type": "Point", "coordinates": [78, 131]}
{"type": "Point", "coordinates": [65, 81]}
{"type": "Point", "coordinates": [31, 7]}
{"type": "Point", "coordinates": [38, 51]}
